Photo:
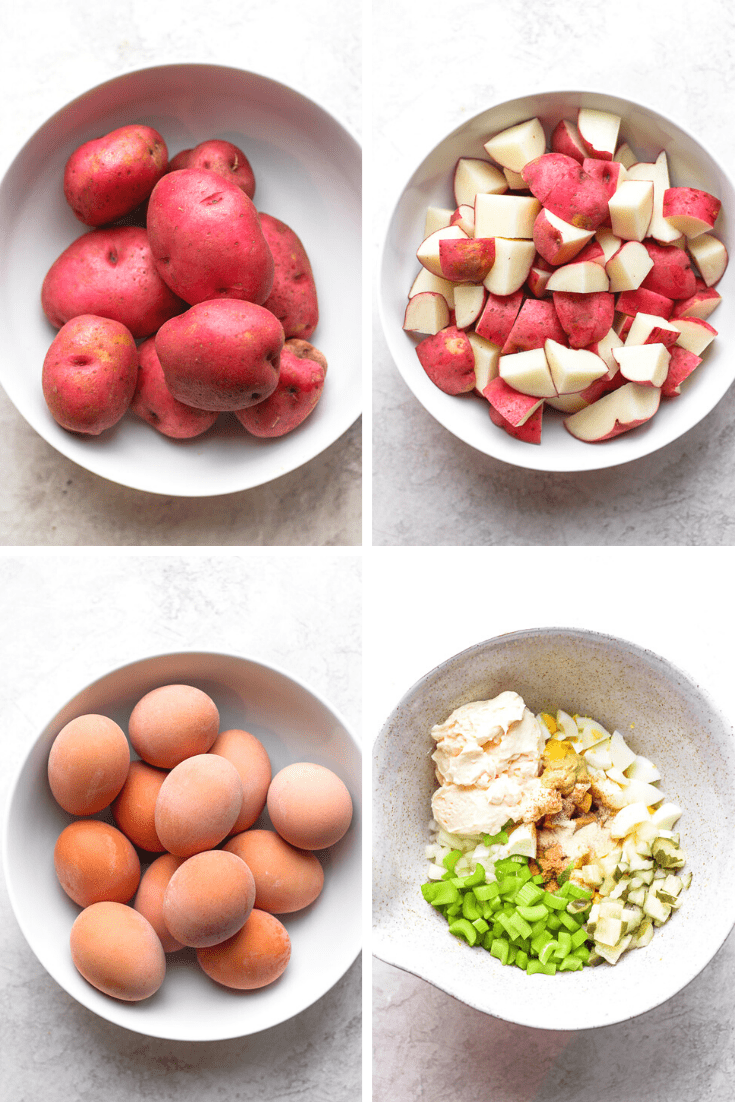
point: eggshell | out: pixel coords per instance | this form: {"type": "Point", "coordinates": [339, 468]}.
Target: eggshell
{"type": "Point", "coordinates": [257, 955]}
{"type": "Point", "coordinates": [116, 950]}
{"type": "Point", "coordinates": [96, 862]}
{"type": "Point", "coordinates": [286, 879]}
{"type": "Point", "coordinates": [149, 898]}
{"type": "Point", "coordinates": [172, 723]}
{"type": "Point", "coordinates": [251, 760]}
{"type": "Point", "coordinates": [309, 805]}
{"type": "Point", "coordinates": [134, 808]}
{"type": "Point", "coordinates": [197, 804]}
{"type": "Point", "coordinates": [88, 764]}
{"type": "Point", "coordinates": [208, 898]}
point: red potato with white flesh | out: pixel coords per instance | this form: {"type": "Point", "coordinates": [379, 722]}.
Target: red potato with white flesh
{"type": "Point", "coordinates": [154, 403]}
{"type": "Point", "coordinates": [426, 313]}
{"type": "Point", "coordinates": [293, 297]}
{"type": "Point", "coordinates": [466, 260]}
{"type": "Point", "coordinates": [651, 329]}
{"type": "Point", "coordinates": [206, 239]}
{"type": "Point", "coordinates": [592, 253]}
{"type": "Point", "coordinates": [512, 264]}
{"type": "Point", "coordinates": [646, 364]}
{"type": "Point", "coordinates": [584, 318]}
{"type": "Point", "coordinates": [426, 281]}
{"type": "Point", "coordinates": [620, 411]}
{"type": "Point", "coordinates": [108, 177]}
{"type": "Point", "coordinates": [300, 386]}
{"type": "Point", "coordinates": [448, 360]}
{"type": "Point", "coordinates": [625, 155]}
{"type": "Point", "coordinates": [464, 217]}
{"type": "Point", "coordinates": [681, 365]}
{"type": "Point", "coordinates": [604, 349]}
{"type": "Point", "coordinates": [702, 304]}
{"type": "Point", "coordinates": [557, 241]}
{"type": "Point", "coordinates": [514, 407]}
{"type": "Point", "coordinates": [650, 302]}
{"type": "Point", "coordinates": [514, 147]}
{"type": "Point", "coordinates": [598, 131]}
{"type": "Point", "coordinates": [565, 138]}
{"type": "Point", "coordinates": [672, 274]}
{"type": "Point", "coordinates": [109, 273]}
{"type": "Point", "coordinates": [221, 355]}
{"type": "Point", "coordinates": [498, 316]}
{"type": "Point", "coordinates": [608, 242]}
{"type": "Point", "coordinates": [222, 158]}
{"type": "Point", "coordinates": [469, 300]}
{"type": "Point", "coordinates": [510, 216]}
{"type": "Point", "coordinates": [529, 432]}
{"type": "Point", "coordinates": [437, 218]}
{"type": "Point", "coordinates": [631, 208]}
{"type": "Point", "coordinates": [710, 256]}
{"type": "Point", "coordinates": [536, 322]}
{"type": "Point", "coordinates": [658, 174]}
{"type": "Point", "coordinates": [690, 210]}
{"type": "Point", "coordinates": [487, 357]}
{"type": "Point", "coordinates": [572, 369]}
{"type": "Point", "coordinates": [581, 278]}
{"type": "Point", "coordinates": [694, 334]}
{"type": "Point", "coordinates": [610, 174]}
{"type": "Point", "coordinates": [89, 374]}
{"type": "Point", "coordinates": [538, 277]}
{"type": "Point", "coordinates": [562, 186]}
{"type": "Point", "coordinates": [630, 265]}
{"type": "Point", "coordinates": [428, 251]}
{"type": "Point", "coordinates": [473, 176]}
{"type": "Point", "coordinates": [528, 373]}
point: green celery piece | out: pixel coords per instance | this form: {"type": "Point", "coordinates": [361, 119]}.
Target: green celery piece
{"type": "Point", "coordinates": [454, 909]}
{"type": "Point", "coordinates": [505, 866]}
{"type": "Point", "coordinates": [581, 953]}
{"type": "Point", "coordinates": [481, 925]}
{"type": "Point", "coordinates": [451, 860]}
{"type": "Point", "coordinates": [477, 876]}
{"type": "Point", "coordinates": [521, 960]}
{"type": "Point", "coordinates": [486, 892]}
{"type": "Point", "coordinates": [511, 955]}
{"type": "Point", "coordinates": [470, 909]}
{"type": "Point", "coordinates": [564, 945]}
{"type": "Point", "coordinates": [529, 895]}
{"type": "Point", "coordinates": [499, 839]}
{"type": "Point", "coordinates": [575, 892]}
{"type": "Point", "coordinates": [500, 948]}
{"type": "Point", "coordinates": [463, 929]}
{"type": "Point", "coordinates": [539, 927]}
{"type": "Point", "coordinates": [549, 969]}
{"type": "Point", "coordinates": [487, 940]}
{"type": "Point", "coordinates": [498, 929]}
{"type": "Point", "coordinates": [539, 942]}
{"type": "Point", "coordinates": [570, 964]}
{"type": "Point", "coordinates": [538, 878]}
{"type": "Point", "coordinates": [533, 914]}
{"type": "Point", "coordinates": [578, 938]}
{"type": "Point", "coordinates": [522, 929]}
{"type": "Point", "coordinates": [548, 950]}
{"type": "Point", "coordinates": [555, 901]}
{"type": "Point", "coordinates": [553, 922]}
{"type": "Point", "coordinates": [439, 893]}
{"type": "Point", "coordinates": [509, 885]}
{"type": "Point", "coordinates": [533, 967]}
{"type": "Point", "coordinates": [569, 921]}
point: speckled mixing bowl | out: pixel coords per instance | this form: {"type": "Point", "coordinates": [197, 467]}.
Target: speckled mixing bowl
{"type": "Point", "coordinates": [664, 715]}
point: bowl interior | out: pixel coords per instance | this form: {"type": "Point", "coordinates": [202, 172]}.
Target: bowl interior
{"type": "Point", "coordinates": [663, 715]}
{"type": "Point", "coordinates": [466, 416]}
{"type": "Point", "coordinates": [307, 169]}
{"type": "Point", "coordinates": [294, 725]}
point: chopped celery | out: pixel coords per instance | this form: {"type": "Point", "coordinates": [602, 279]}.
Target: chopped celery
{"type": "Point", "coordinates": [500, 948]}
{"type": "Point", "coordinates": [464, 929]}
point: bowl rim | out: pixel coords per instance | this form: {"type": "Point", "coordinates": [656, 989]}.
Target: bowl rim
{"type": "Point", "coordinates": [7, 164]}
{"type": "Point", "coordinates": [388, 951]}
{"type": "Point", "coordinates": [518, 459]}
{"type": "Point", "coordinates": [13, 790]}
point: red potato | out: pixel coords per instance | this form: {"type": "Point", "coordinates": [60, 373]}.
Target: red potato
{"type": "Point", "coordinates": [466, 260]}
{"type": "Point", "coordinates": [514, 407]}
{"type": "Point", "coordinates": [593, 252]}
{"type": "Point", "coordinates": [223, 158]}
{"type": "Point", "coordinates": [108, 177]}
{"type": "Point", "coordinates": [300, 386]}
{"type": "Point", "coordinates": [293, 298]}
{"type": "Point", "coordinates": [672, 274]}
{"type": "Point", "coordinates": [681, 365]}
{"type": "Point", "coordinates": [563, 187]}
{"type": "Point", "coordinates": [221, 355]}
{"type": "Point", "coordinates": [498, 316]}
{"type": "Point", "coordinates": [207, 240]}
{"type": "Point", "coordinates": [585, 318]}
{"type": "Point", "coordinates": [89, 374]}
{"type": "Point", "coordinates": [649, 302]}
{"type": "Point", "coordinates": [539, 276]}
{"type": "Point", "coordinates": [448, 360]}
{"type": "Point", "coordinates": [557, 241]}
{"type": "Point", "coordinates": [537, 321]}
{"type": "Point", "coordinates": [702, 303]}
{"type": "Point", "coordinates": [529, 432]}
{"type": "Point", "coordinates": [565, 139]}
{"type": "Point", "coordinates": [608, 173]}
{"type": "Point", "coordinates": [109, 273]}
{"type": "Point", "coordinates": [622, 409]}
{"type": "Point", "coordinates": [690, 210]}
{"type": "Point", "coordinates": [154, 403]}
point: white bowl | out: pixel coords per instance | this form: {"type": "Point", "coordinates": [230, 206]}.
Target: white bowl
{"type": "Point", "coordinates": [293, 724]}
{"type": "Point", "coordinates": [308, 174]}
{"type": "Point", "coordinates": [665, 716]}
{"type": "Point", "coordinates": [466, 416]}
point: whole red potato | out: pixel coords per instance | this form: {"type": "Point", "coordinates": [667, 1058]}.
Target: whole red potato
{"type": "Point", "coordinates": [154, 402]}
{"type": "Point", "coordinates": [110, 273]}
{"type": "Point", "coordinates": [221, 355]}
{"type": "Point", "coordinates": [300, 386]}
{"type": "Point", "coordinates": [293, 297]}
{"type": "Point", "coordinates": [221, 157]}
{"type": "Point", "coordinates": [108, 177]}
{"type": "Point", "coordinates": [89, 374]}
{"type": "Point", "coordinates": [206, 239]}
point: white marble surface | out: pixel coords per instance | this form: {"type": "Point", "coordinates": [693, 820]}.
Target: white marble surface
{"type": "Point", "coordinates": [54, 52]}
{"type": "Point", "coordinates": [434, 72]}
{"type": "Point", "coordinates": [426, 1044]}
{"type": "Point", "coordinates": [75, 615]}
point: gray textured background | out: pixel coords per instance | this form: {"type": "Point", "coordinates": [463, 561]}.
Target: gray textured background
{"type": "Point", "coordinates": [76, 615]}
{"type": "Point", "coordinates": [441, 68]}
{"type": "Point", "coordinates": [54, 52]}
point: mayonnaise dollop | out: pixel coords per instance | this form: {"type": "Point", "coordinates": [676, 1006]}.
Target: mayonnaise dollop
{"type": "Point", "coordinates": [487, 756]}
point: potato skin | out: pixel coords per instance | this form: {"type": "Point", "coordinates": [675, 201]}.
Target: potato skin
{"type": "Point", "coordinates": [108, 177]}
{"type": "Point", "coordinates": [221, 157]}
{"type": "Point", "coordinates": [110, 273]}
{"type": "Point", "coordinates": [154, 403]}
{"type": "Point", "coordinates": [206, 239]}
{"type": "Point", "coordinates": [89, 374]}
{"type": "Point", "coordinates": [223, 354]}
{"type": "Point", "coordinates": [293, 298]}
{"type": "Point", "coordinates": [300, 386]}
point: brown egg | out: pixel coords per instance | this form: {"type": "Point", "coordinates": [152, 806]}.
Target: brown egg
{"type": "Point", "coordinates": [88, 764]}
{"type": "Point", "coordinates": [254, 957]}
{"type": "Point", "coordinates": [149, 898]}
{"type": "Point", "coordinates": [134, 808]}
{"type": "Point", "coordinates": [197, 804]}
{"type": "Point", "coordinates": [309, 805]}
{"type": "Point", "coordinates": [286, 879]}
{"type": "Point", "coordinates": [251, 760]}
{"type": "Point", "coordinates": [96, 862]}
{"type": "Point", "coordinates": [208, 898]}
{"type": "Point", "coordinates": [173, 723]}
{"type": "Point", "coordinates": [116, 950]}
